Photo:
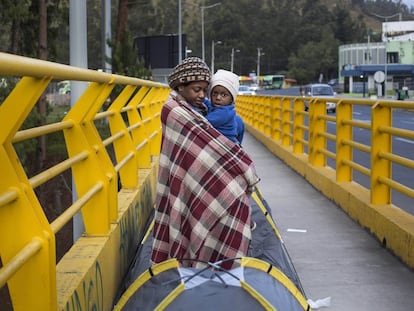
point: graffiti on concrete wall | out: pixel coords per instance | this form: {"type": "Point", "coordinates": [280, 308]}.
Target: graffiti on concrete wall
{"type": "Point", "coordinates": [90, 296]}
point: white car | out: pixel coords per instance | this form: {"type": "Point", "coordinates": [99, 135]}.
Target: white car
{"type": "Point", "coordinates": [245, 90]}
{"type": "Point", "coordinates": [322, 91]}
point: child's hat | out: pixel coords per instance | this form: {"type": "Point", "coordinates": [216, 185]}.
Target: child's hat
{"type": "Point", "coordinates": [190, 70]}
{"type": "Point", "coordinates": [227, 79]}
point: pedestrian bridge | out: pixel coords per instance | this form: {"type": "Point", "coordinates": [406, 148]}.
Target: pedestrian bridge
{"type": "Point", "coordinates": [108, 141]}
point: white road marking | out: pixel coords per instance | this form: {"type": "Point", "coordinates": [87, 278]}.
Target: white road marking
{"type": "Point", "coordinates": [297, 230]}
{"type": "Point", "coordinates": [404, 140]}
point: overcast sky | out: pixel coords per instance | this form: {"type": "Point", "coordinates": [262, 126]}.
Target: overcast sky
{"type": "Point", "coordinates": [409, 3]}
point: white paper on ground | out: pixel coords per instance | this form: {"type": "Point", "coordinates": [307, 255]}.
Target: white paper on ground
{"type": "Point", "coordinates": [296, 230]}
{"type": "Point", "coordinates": [324, 302]}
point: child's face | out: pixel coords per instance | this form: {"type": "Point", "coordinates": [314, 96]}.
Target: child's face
{"type": "Point", "coordinates": [220, 96]}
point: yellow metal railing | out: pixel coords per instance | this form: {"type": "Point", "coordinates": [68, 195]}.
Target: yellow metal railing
{"type": "Point", "coordinates": [285, 120]}
{"type": "Point", "coordinates": [301, 139]}
{"type": "Point", "coordinates": [27, 237]}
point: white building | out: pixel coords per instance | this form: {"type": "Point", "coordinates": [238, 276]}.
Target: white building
{"type": "Point", "coordinates": [359, 63]}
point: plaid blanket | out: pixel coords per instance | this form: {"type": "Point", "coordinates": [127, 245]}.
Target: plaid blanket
{"type": "Point", "coordinates": [202, 207]}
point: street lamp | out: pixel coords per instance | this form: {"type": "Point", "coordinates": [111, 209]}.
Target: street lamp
{"type": "Point", "coordinates": [385, 40]}
{"type": "Point", "coordinates": [212, 54]}
{"type": "Point", "coordinates": [259, 54]}
{"type": "Point", "coordinates": [180, 34]}
{"type": "Point", "coordinates": [232, 58]}
{"type": "Point", "coordinates": [202, 27]}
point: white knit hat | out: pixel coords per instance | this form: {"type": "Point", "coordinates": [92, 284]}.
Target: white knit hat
{"type": "Point", "coordinates": [227, 79]}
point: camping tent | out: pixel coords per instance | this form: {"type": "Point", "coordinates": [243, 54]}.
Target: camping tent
{"type": "Point", "coordinates": [266, 279]}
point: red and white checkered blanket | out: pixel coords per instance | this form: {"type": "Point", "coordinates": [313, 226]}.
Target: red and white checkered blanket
{"type": "Point", "coordinates": [204, 182]}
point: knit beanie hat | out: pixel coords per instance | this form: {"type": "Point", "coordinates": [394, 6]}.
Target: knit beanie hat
{"type": "Point", "coordinates": [227, 79]}
{"type": "Point", "coordinates": [190, 70]}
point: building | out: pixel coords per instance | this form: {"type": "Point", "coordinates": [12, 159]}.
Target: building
{"type": "Point", "coordinates": [375, 67]}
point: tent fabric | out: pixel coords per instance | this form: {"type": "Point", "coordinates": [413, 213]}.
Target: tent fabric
{"type": "Point", "coordinates": [265, 280]}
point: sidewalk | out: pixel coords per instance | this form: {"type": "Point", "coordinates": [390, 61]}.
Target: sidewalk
{"type": "Point", "coordinates": [333, 256]}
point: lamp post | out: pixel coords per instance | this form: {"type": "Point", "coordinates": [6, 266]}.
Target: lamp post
{"type": "Point", "coordinates": [232, 58]}
{"type": "Point", "coordinates": [368, 58]}
{"type": "Point", "coordinates": [259, 54]}
{"type": "Point", "coordinates": [385, 40]}
{"type": "Point", "coordinates": [212, 54]}
{"type": "Point", "coordinates": [203, 55]}
{"type": "Point", "coordinates": [180, 35]}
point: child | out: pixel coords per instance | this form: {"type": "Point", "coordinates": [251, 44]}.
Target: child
{"type": "Point", "coordinates": [224, 86]}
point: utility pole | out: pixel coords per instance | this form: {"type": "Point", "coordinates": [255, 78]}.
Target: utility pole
{"type": "Point", "coordinates": [203, 51]}
{"type": "Point", "coordinates": [259, 54]}
{"type": "Point", "coordinates": [78, 58]}
{"type": "Point", "coordinates": [232, 58]}
{"type": "Point", "coordinates": [212, 54]}
{"type": "Point", "coordinates": [385, 40]}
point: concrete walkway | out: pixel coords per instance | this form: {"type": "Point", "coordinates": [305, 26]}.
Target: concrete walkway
{"type": "Point", "coordinates": [333, 256]}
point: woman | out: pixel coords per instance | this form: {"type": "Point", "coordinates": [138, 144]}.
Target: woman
{"type": "Point", "coordinates": [202, 208]}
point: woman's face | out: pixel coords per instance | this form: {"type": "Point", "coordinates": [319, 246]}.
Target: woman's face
{"type": "Point", "coordinates": [194, 92]}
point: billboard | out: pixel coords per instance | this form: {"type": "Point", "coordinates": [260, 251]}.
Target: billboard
{"type": "Point", "coordinates": [159, 51]}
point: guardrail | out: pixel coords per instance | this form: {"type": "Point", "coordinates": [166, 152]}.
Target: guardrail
{"type": "Point", "coordinates": [301, 139]}
{"type": "Point", "coordinates": [109, 141]}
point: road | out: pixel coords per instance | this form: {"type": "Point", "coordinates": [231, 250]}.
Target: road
{"type": "Point", "coordinates": [400, 146]}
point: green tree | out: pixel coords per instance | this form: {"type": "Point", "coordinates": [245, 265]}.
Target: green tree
{"type": "Point", "coordinates": [313, 59]}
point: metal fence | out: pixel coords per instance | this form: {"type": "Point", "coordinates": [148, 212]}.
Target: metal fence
{"type": "Point", "coordinates": [105, 140]}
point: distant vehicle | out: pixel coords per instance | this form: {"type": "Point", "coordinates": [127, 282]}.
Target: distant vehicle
{"type": "Point", "coordinates": [273, 82]}
{"type": "Point", "coordinates": [64, 87]}
{"type": "Point", "coordinates": [246, 90]}
{"type": "Point", "coordinates": [320, 90]}
{"type": "Point", "coordinates": [254, 87]}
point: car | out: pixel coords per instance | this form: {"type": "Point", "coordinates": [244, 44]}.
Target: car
{"type": "Point", "coordinates": [246, 90]}
{"type": "Point", "coordinates": [322, 91]}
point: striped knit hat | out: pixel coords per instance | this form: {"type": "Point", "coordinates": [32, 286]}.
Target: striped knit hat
{"type": "Point", "coordinates": [190, 70]}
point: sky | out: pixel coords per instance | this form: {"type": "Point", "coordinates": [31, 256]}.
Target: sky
{"type": "Point", "coordinates": [409, 3]}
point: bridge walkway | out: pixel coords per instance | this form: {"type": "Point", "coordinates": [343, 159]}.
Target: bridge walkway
{"type": "Point", "coordinates": [333, 255]}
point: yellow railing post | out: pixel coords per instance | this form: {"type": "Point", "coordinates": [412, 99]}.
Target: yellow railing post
{"type": "Point", "coordinates": [151, 124]}
{"type": "Point", "coordinates": [381, 142]}
{"type": "Point", "coordinates": [317, 125]}
{"type": "Point", "coordinates": [267, 108]}
{"type": "Point", "coordinates": [261, 115]}
{"type": "Point", "coordinates": [276, 117]}
{"type": "Point", "coordinates": [140, 133]}
{"type": "Point", "coordinates": [298, 125]}
{"type": "Point", "coordinates": [343, 133]}
{"type": "Point", "coordinates": [96, 168]}
{"type": "Point", "coordinates": [27, 244]}
{"type": "Point", "coordinates": [155, 108]}
{"type": "Point", "coordinates": [255, 114]}
{"type": "Point", "coordinates": [124, 146]}
{"type": "Point", "coordinates": [286, 125]}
